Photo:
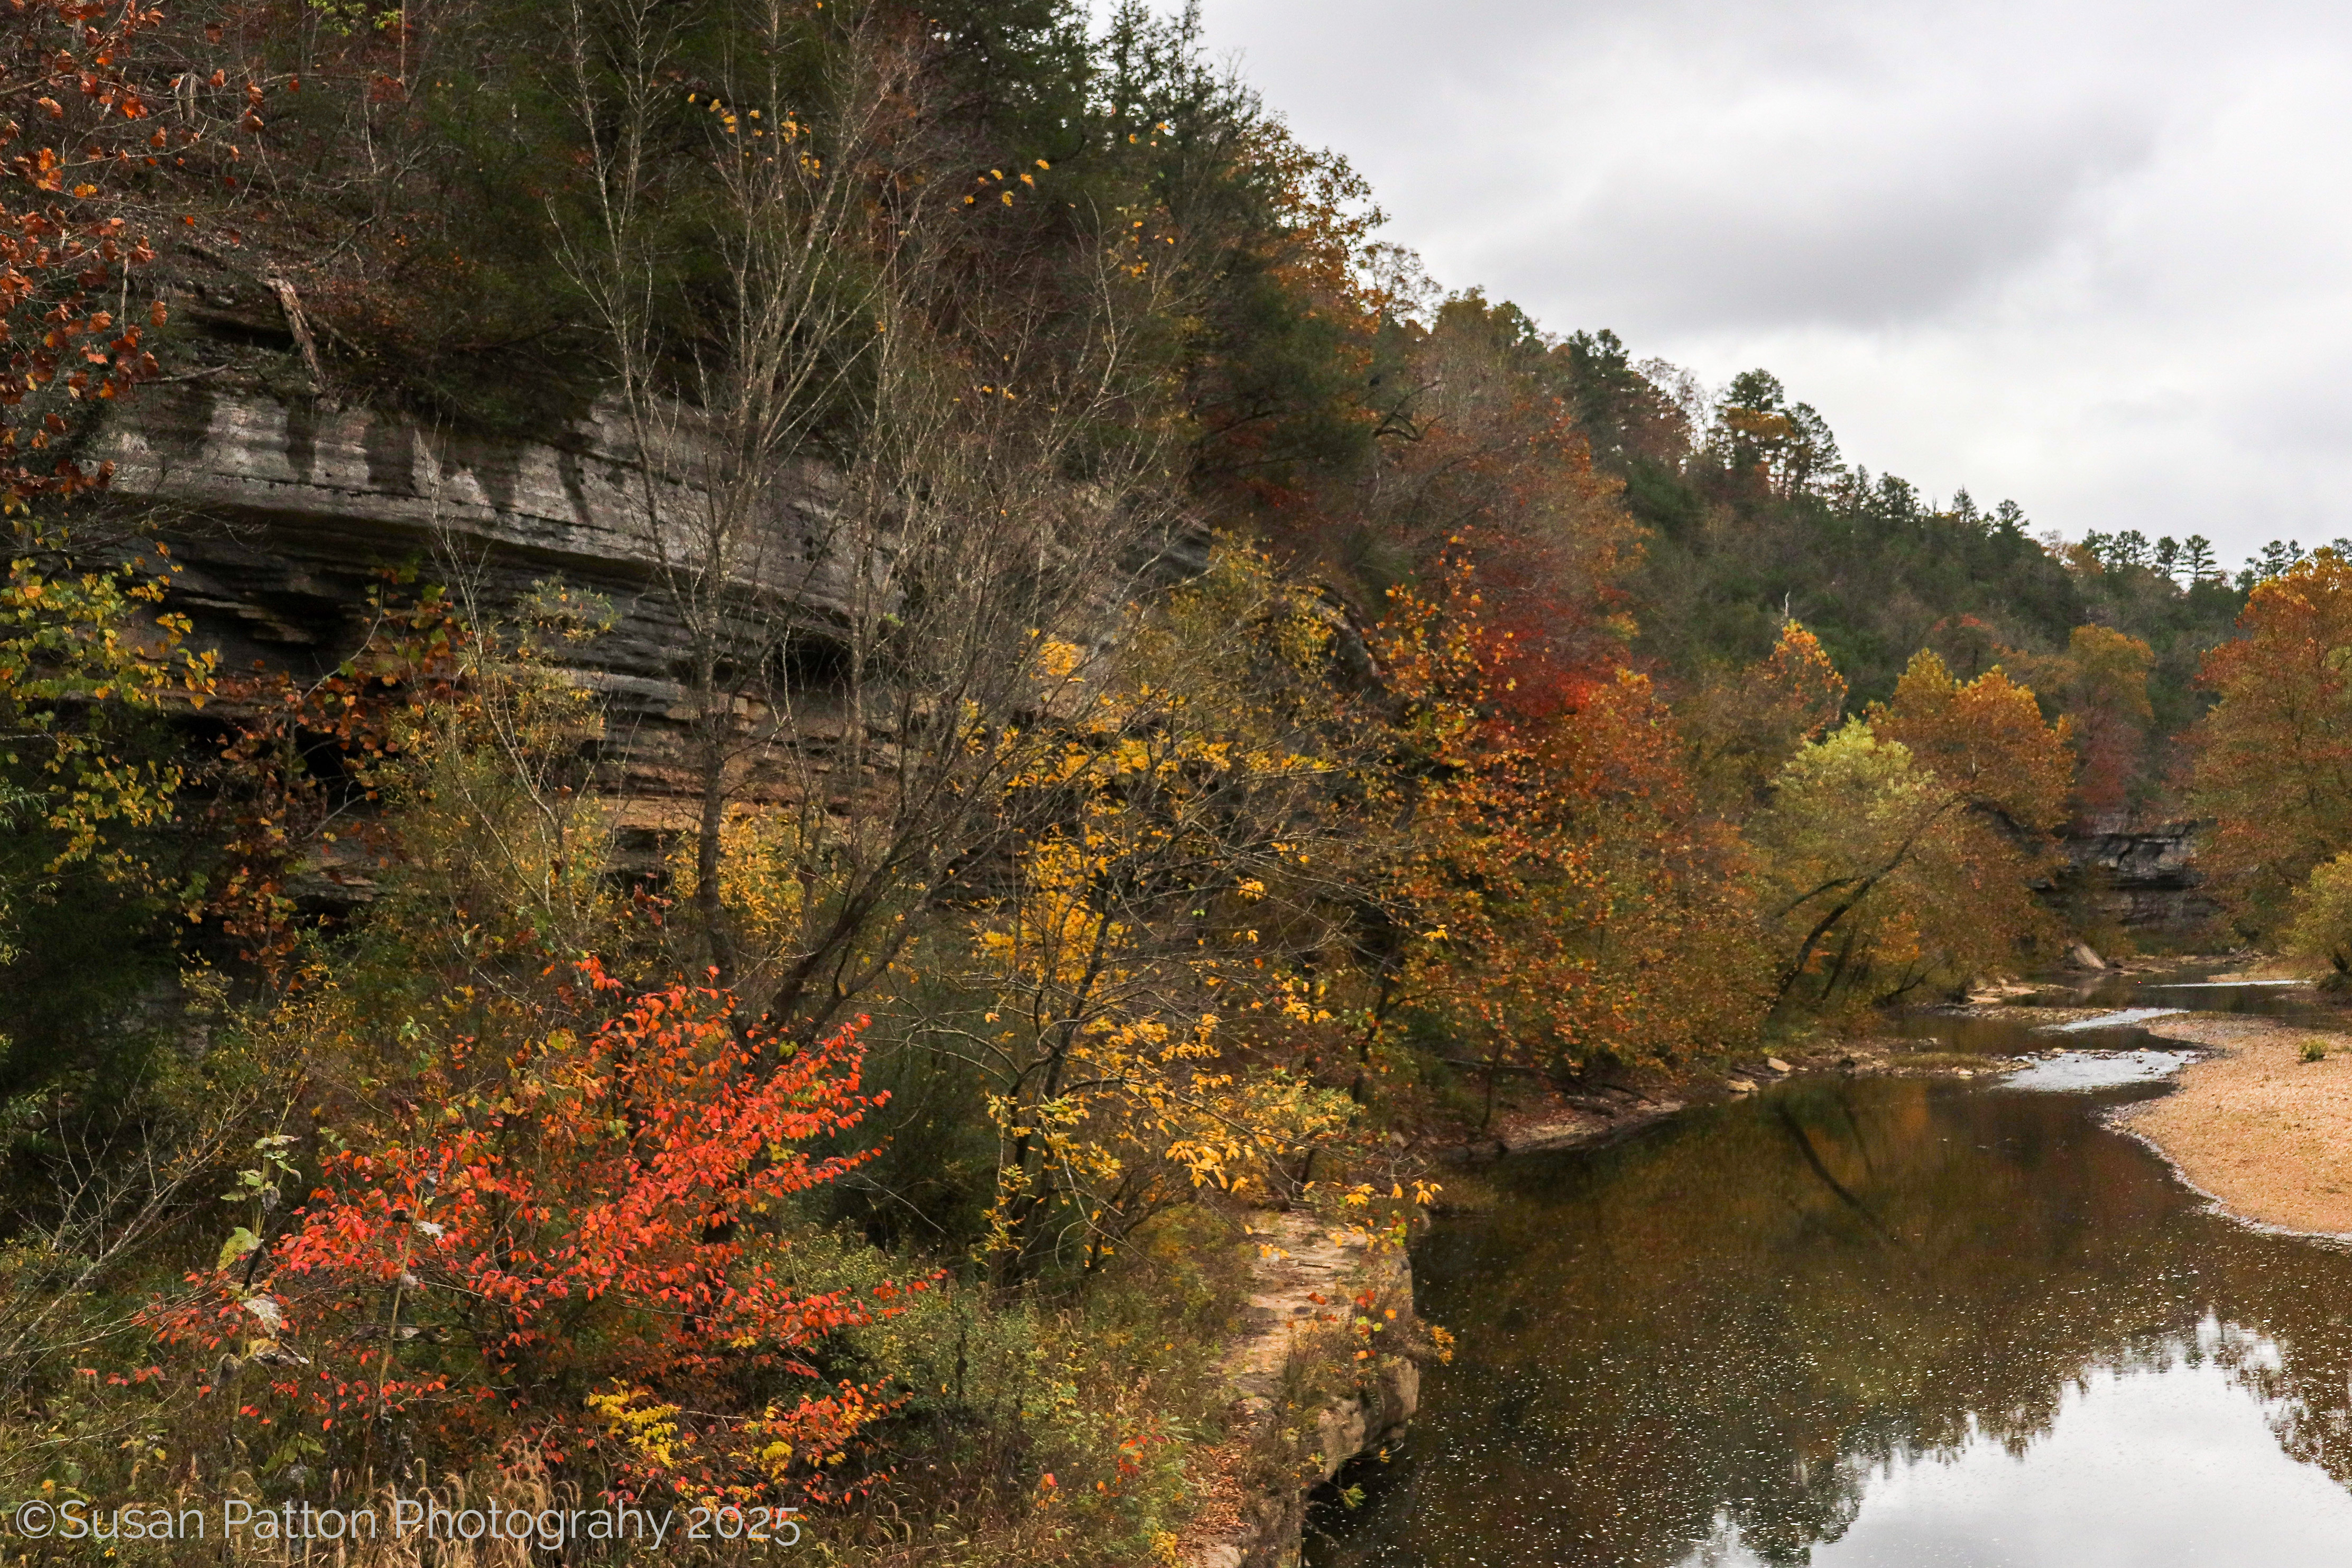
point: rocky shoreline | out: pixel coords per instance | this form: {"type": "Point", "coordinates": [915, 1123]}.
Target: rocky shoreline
{"type": "Point", "coordinates": [1303, 1404]}
{"type": "Point", "coordinates": [1578, 1121]}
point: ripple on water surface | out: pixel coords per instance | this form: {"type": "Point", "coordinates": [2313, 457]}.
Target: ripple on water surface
{"type": "Point", "coordinates": [1868, 1323]}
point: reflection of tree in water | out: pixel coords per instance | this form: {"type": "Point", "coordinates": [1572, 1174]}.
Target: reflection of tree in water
{"type": "Point", "coordinates": [2306, 1382]}
{"type": "Point", "coordinates": [1730, 1322]}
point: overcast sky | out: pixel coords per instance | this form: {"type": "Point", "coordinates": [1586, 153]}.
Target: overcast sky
{"type": "Point", "coordinates": [2092, 256]}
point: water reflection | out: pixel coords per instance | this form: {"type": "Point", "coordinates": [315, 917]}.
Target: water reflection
{"type": "Point", "coordinates": [2189, 985]}
{"type": "Point", "coordinates": [1864, 1323]}
{"type": "Point", "coordinates": [2178, 1467]}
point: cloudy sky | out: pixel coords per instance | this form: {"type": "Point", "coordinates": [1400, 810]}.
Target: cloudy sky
{"type": "Point", "coordinates": [2091, 255]}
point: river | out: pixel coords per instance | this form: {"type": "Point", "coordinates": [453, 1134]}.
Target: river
{"type": "Point", "coordinates": [1871, 1323]}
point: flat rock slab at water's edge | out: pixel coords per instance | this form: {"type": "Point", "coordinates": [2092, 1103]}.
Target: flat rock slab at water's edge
{"type": "Point", "coordinates": [1573, 1128]}
{"type": "Point", "coordinates": [1304, 1278]}
{"type": "Point", "coordinates": [2261, 1131]}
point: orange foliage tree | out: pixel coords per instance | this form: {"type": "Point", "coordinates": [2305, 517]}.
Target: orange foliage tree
{"type": "Point", "coordinates": [571, 1245]}
{"type": "Point", "coordinates": [2273, 758]}
{"type": "Point", "coordinates": [1571, 904]}
{"type": "Point", "coordinates": [2100, 683]}
{"type": "Point", "coordinates": [1496, 473]}
{"type": "Point", "coordinates": [1987, 741]}
{"type": "Point", "coordinates": [2106, 693]}
{"type": "Point", "coordinates": [77, 134]}
{"type": "Point", "coordinates": [1743, 724]}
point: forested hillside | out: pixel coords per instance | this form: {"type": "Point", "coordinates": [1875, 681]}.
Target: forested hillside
{"type": "Point", "coordinates": [1111, 709]}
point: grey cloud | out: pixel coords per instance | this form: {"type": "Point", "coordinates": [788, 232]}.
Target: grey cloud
{"type": "Point", "coordinates": [1768, 237]}
{"type": "Point", "coordinates": [2094, 255]}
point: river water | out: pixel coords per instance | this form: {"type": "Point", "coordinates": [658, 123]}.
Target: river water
{"type": "Point", "coordinates": [1872, 1324]}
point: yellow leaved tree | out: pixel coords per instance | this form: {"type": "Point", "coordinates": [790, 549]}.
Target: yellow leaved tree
{"type": "Point", "coordinates": [1166, 934]}
{"type": "Point", "coordinates": [85, 656]}
{"type": "Point", "coordinates": [1560, 900]}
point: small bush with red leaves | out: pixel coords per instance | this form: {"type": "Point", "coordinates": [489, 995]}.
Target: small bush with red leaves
{"type": "Point", "coordinates": [575, 1248]}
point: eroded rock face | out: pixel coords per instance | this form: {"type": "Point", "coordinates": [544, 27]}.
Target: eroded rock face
{"type": "Point", "coordinates": [2144, 877]}
{"type": "Point", "coordinates": [283, 517]}
{"type": "Point", "coordinates": [582, 505]}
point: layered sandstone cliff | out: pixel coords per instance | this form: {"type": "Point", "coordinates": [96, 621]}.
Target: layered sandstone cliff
{"type": "Point", "coordinates": [284, 516]}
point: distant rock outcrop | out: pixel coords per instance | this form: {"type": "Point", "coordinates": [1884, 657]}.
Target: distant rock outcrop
{"type": "Point", "coordinates": [2143, 877]}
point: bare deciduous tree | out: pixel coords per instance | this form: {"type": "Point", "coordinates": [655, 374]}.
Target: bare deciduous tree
{"type": "Point", "coordinates": [871, 499]}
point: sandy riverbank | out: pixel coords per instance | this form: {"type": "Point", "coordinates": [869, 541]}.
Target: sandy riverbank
{"type": "Point", "coordinates": [2265, 1133]}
